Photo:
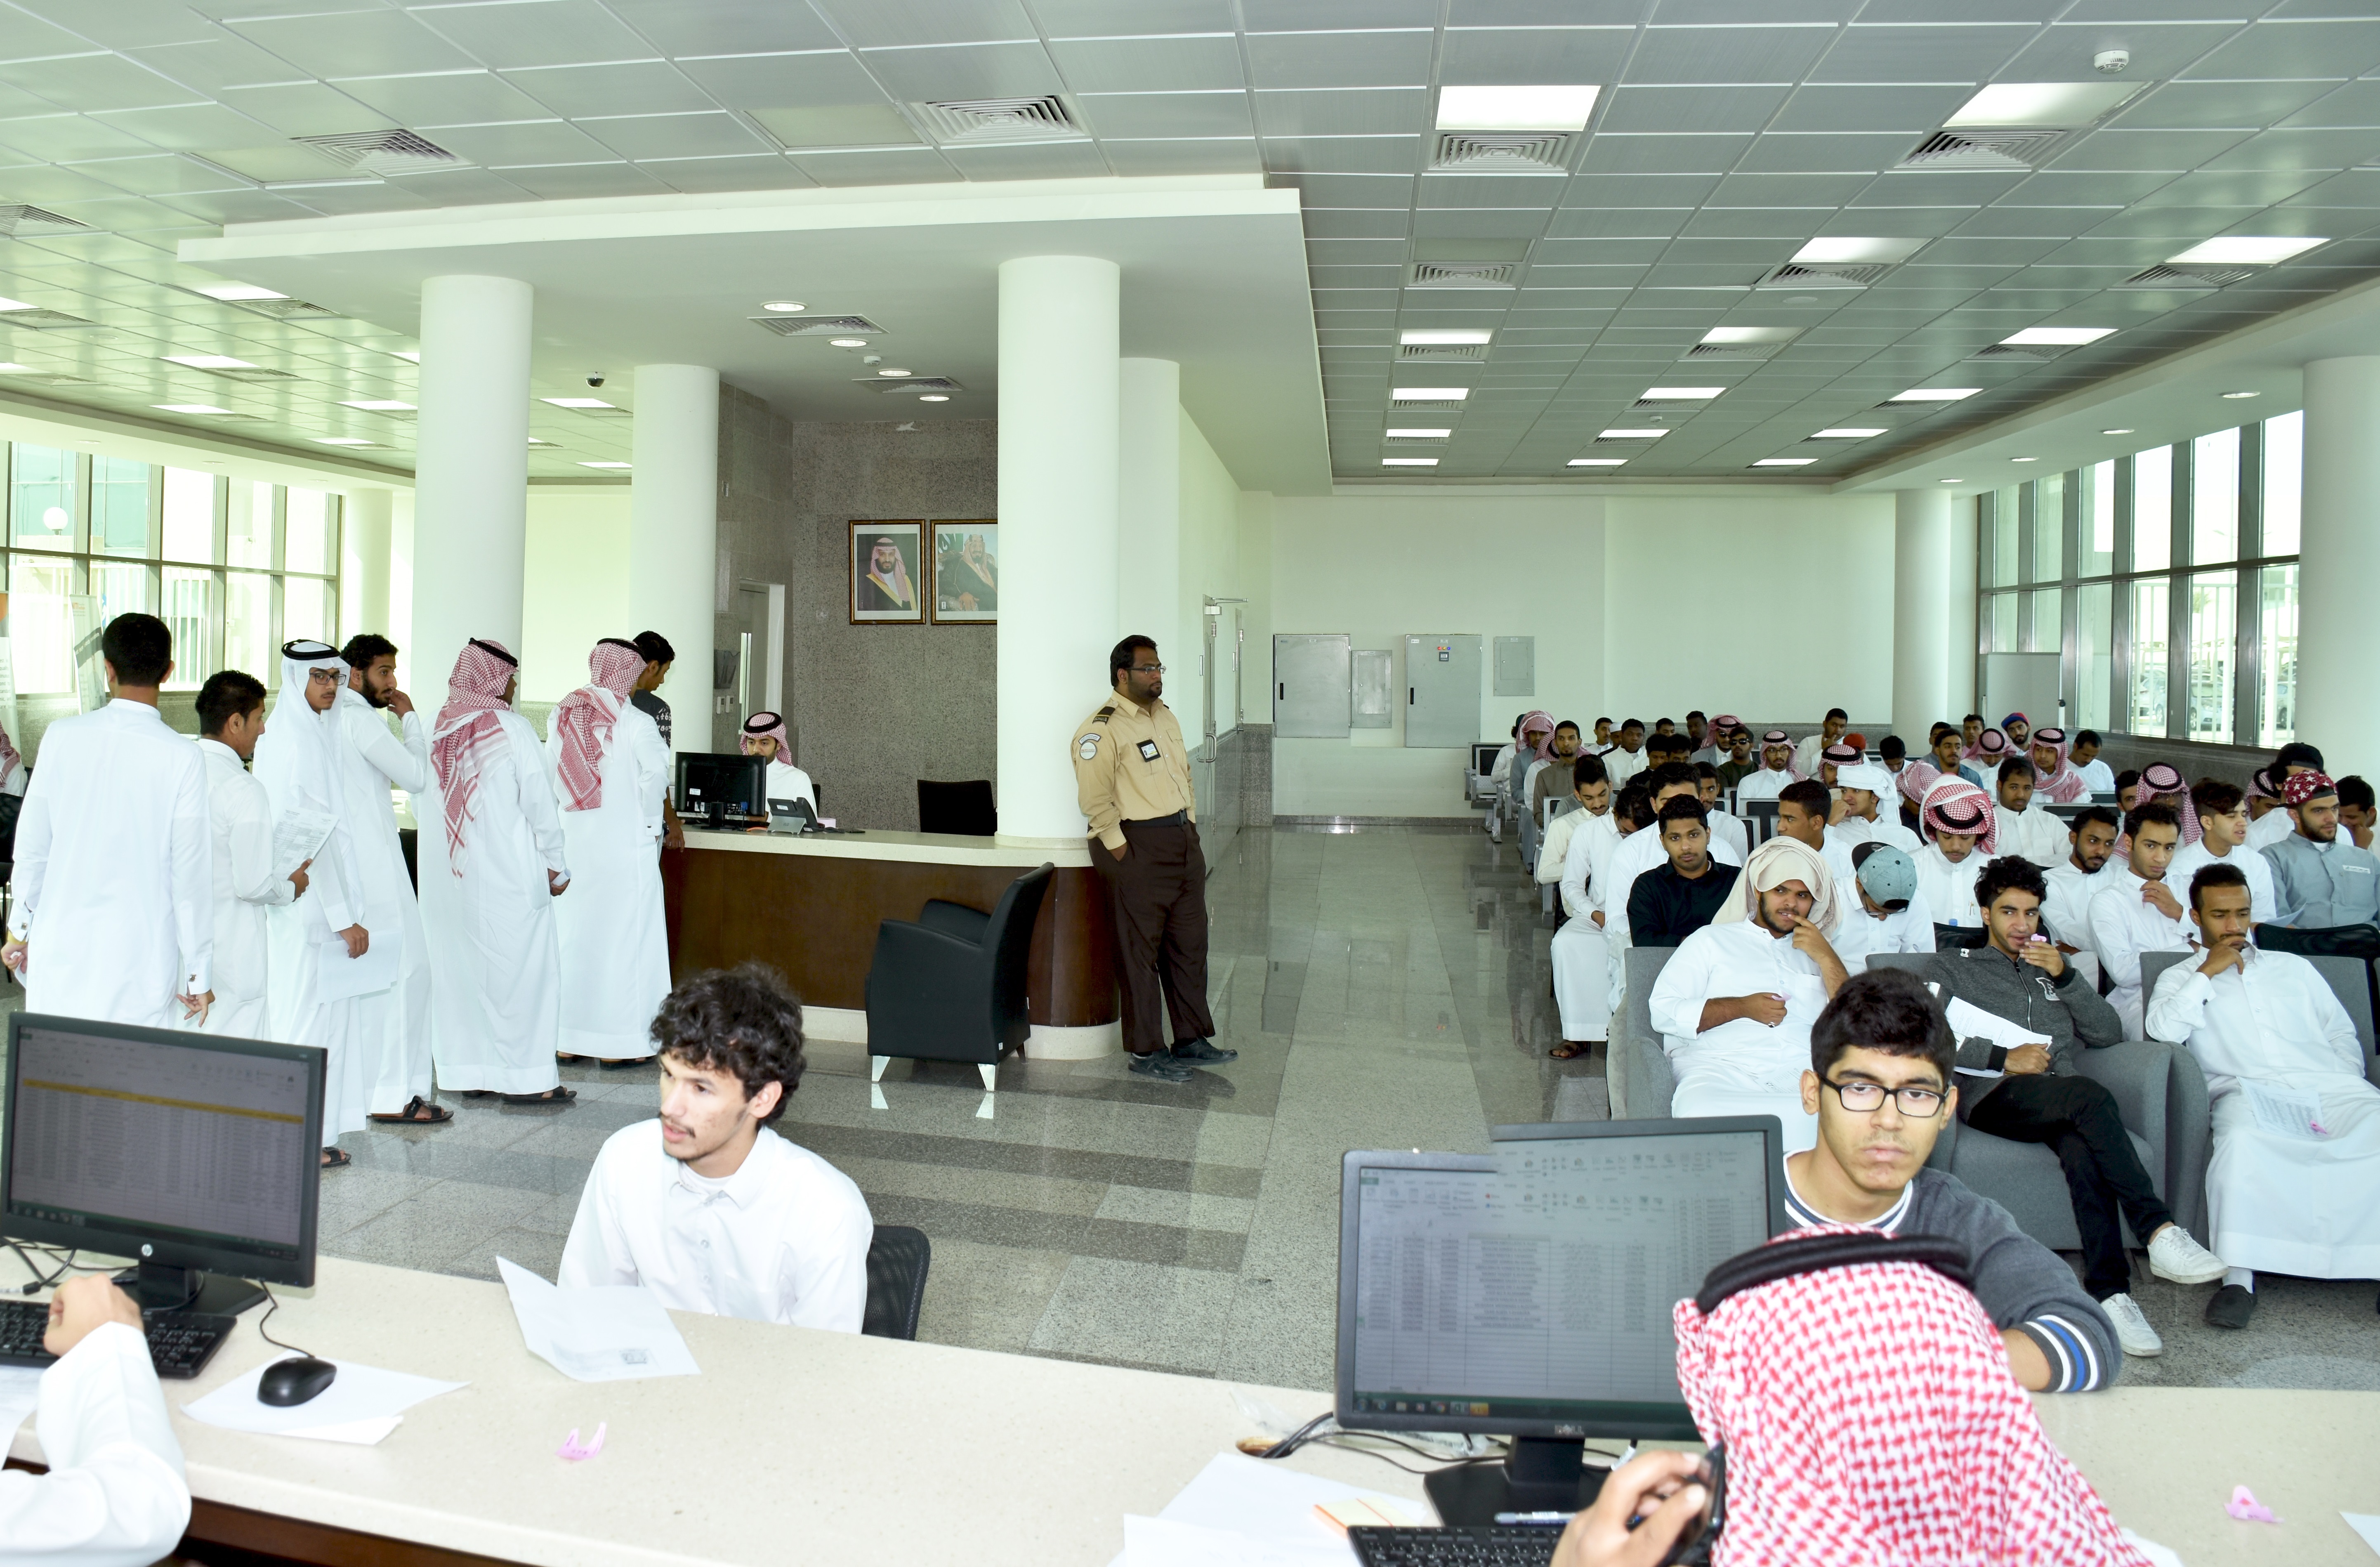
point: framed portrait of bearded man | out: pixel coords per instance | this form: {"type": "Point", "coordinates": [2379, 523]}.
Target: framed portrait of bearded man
{"type": "Point", "coordinates": [888, 578]}
{"type": "Point", "coordinates": [966, 573]}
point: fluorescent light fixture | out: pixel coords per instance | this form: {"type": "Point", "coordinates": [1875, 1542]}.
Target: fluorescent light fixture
{"type": "Point", "coordinates": [1598, 462]}
{"type": "Point", "coordinates": [2024, 459]}
{"type": "Point", "coordinates": [848, 342]}
{"type": "Point", "coordinates": [1784, 462]}
{"type": "Point", "coordinates": [2236, 396]}
{"type": "Point", "coordinates": [1847, 432]}
{"type": "Point", "coordinates": [1515, 108]}
{"type": "Point", "coordinates": [1843, 251]}
{"type": "Point", "coordinates": [932, 397]}
{"type": "Point", "coordinates": [13, 368]}
{"type": "Point", "coordinates": [2246, 249]}
{"type": "Point", "coordinates": [2058, 336]}
{"type": "Point", "coordinates": [1632, 434]}
{"type": "Point", "coordinates": [783, 307]}
{"type": "Point", "coordinates": [412, 355]}
{"type": "Point", "coordinates": [603, 465]}
{"type": "Point", "coordinates": [1679, 394]}
{"type": "Point", "coordinates": [1935, 394]}
{"type": "Point", "coordinates": [1950, 481]}
{"type": "Point", "coordinates": [1752, 333]}
{"type": "Point", "coordinates": [235, 293]}
{"type": "Point", "coordinates": [2052, 105]}
{"type": "Point", "coordinates": [1408, 461]}
{"type": "Point", "coordinates": [2126, 431]}
{"type": "Point", "coordinates": [16, 305]}
{"type": "Point", "coordinates": [378, 405]}
{"type": "Point", "coordinates": [1417, 434]}
{"type": "Point", "coordinates": [188, 408]}
{"type": "Point", "coordinates": [539, 441]}
{"type": "Point", "coordinates": [1431, 394]}
{"type": "Point", "coordinates": [208, 362]}
{"type": "Point", "coordinates": [1446, 339]}
{"type": "Point", "coordinates": [896, 374]}
{"type": "Point", "coordinates": [578, 402]}
{"type": "Point", "coordinates": [342, 441]}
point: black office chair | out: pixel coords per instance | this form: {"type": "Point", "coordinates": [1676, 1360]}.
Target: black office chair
{"type": "Point", "coordinates": [964, 809]}
{"type": "Point", "coordinates": [1949, 937]}
{"type": "Point", "coordinates": [2361, 942]}
{"type": "Point", "coordinates": [950, 986]}
{"type": "Point", "coordinates": [897, 1261]}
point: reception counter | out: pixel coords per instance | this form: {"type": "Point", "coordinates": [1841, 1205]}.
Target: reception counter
{"type": "Point", "coordinates": [809, 906]}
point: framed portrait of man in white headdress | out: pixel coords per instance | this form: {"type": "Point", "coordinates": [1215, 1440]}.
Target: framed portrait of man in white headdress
{"type": "Point", "coordinates": [888, 578]}
{"type": "Point", "coordinates": [966, 573]}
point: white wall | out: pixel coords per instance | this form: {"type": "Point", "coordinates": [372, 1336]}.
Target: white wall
{"type": "Point", "coordinates": [577, 569]}
{"type": "Point", "coordinates": [1210, 568]}
{"type": "Point", "coordinates": [1776, 605]}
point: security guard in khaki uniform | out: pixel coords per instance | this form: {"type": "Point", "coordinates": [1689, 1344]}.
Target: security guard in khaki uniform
{"type": "Point", "coordinates": [1132, 774]}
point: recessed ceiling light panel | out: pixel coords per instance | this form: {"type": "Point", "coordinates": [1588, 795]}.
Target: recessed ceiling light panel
{"type": "Point", "coordinates": [1598, 462]}
{"type": "Point", "coordinates": [783, 306]}
{"type": "Point", "coordinates": [1408, 461]}
{"type": "Point", "coordinates": [208, 362]}
{"type": "Point", "coordinates": [1431, 394]}
{"type": "Point", "coordinates": [603, 465]}
{"type": "Point", "coordinates": [1752, 333]}
{"type": "Point", "coordinates": [1784, 462]}
{"type": "Point", "coordinates": [1935, 394]}
{"type": "Point", "coordinates": [1632, 434]}
{"type": "Point", "coordinates": [2236, 396]}
{"type": "Point", "coordinates": [378, 405]}
{"type": "Point", "coordinates": [188, 408]}
{"type": "Point", "coordinates": [2247, 249]}
{"type": "Point", "coordinates": [2057, 336]}
{"type": "Point", "coordinates": [2049, 105]}
{"type": "Point", "coordinates": [1843, 250]}
{"type": "Point", "coordinates": [578, 402]}
{"type": "Point", "coordinates": [1679, 394]}
{"type": "Point", "coordinates": [1444, 337]}
{"type": "Point", "coordinates": [236, 293]}
{"type": "Point", "coordinates": [1515, 108]}
{"type": "Point", "coordinates": [2126, 431]}
{"type": "Point", "coordinates": [1848, 432]}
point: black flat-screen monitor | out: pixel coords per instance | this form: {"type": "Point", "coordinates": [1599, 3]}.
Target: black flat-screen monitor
{"type": "Point", "coordinates": [196, 1154]}
{"type": "Point", "coordinates": [722, 783]}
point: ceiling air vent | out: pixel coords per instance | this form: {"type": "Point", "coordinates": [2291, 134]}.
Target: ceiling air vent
{"type": "Point", "coordinates": [381, 151]}
{"type": "Point", "coordinates": [914, 383]}
{"type": "Point", "coordinates": [287, 309]}
{"type": "Point", "coordinates": [253, 372]}
{"type": "Point", "coordinates": [1469, 352]}
{"type": "Point", "coordinates": [1982, 149]}
{"type": "Point", "coordinates": [44, 320]}
{"type": "Point", "coordinates": [1823, 274]}
{"type": "Point", "coordinates": [999, 119]}
{"type": "Point", "coordinates": [16, 218]}
{"type": "Point", "coordinates": [1417, 440]}
{"type": "Point", "coordinates": [1461, 275]}
{"type": "Point", "coordinates": [2195, 274]}
{"type": "Point", "coordinates": [52, 377]}
{"type": "Point", "coordinates": [818, 326]}
{"type": "Point", "coordinates": [1731, 350]}
{"type": "Point", "coordinates": [2020, 351]}
{"type": "Point", "coordinates": [1482, 151]}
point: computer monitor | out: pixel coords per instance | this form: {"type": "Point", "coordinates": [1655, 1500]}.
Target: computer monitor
{"type": "Point", "coordinates": [199, 1155]}
{"type": "Point", "coordinates": [1527, 1293]}
{"type": "Point", "coordinates": [718, 783]}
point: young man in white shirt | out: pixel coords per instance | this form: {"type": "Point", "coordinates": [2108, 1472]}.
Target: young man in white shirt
{"type": "Point", "coordinates": [2084, 758]}
{"type": "Point", "coordinates": [1591, 788]}
{"type": "Point", "coordinates": [707, 1207]}
{"type": "Point", "coordinates": [1806, 754]}
{"type": "Point", "coordinates": [1724, 828]}
{"type": "Point", "coordinates": [1890, 916]}
{"type": "Point", "coordinates": [2223, 840]}
{"type": "Point", "coordinates": [1870, 814]}
{"type": "Point", "coordinates": [1639, 853]}
{"type": "Point", "coordinates": [1961, 839]}
{"type": "Point", "coordinates": [239, 814]}
{"type": "Point", "coordinates": [2357, 811]}
{"type": "Point", "coordinates": [1627, 759]}
{"type": "Point", "coordinates": [2027, 830]}
{"type": "Point", "coordinates": [1776, 769]}
{"type": "Point", "coordinates": [1580, 962]}
{"type": "Point", "coordinates": [2079, 878]}
{"type": "Point", "coordinates": [2137, 912]}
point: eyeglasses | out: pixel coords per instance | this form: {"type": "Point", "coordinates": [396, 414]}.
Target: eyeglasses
{"type": "Point", "coordinates": [1149, 669]}
{"type": "Point", "coordinates": [1866, 1098]}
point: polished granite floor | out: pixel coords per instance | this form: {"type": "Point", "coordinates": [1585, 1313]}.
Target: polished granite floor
{"type": "Point", "coordinates": [1385, 988]}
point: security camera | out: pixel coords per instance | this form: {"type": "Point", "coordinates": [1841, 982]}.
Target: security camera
{"type": "Point", "coordinates": [2112, 62]}
{"type": "Point", "coordinates": [595, 380]}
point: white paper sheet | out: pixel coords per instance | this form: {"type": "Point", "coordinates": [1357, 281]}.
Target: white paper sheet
{"type": "Point", "coordinates": [1968, 1021]}
{"type": "Point", "coordinates": [299, 835]}
{"type": "Point", "coordinates": [362, 1404]}
{"type": "Point", "coordinates": [1268, 1500]}
{"type": "Point", "coordinates": [20, 1394]}
{"type": "Point", "coordinates": [1160, 1542]}
{"type": "Point", "coordinates": [344, 977]}
{"type": "Point", "coordinates": [2289, 1112]}
{"type": "Point", "coordinates": [603, 1333]}
{"type": "Point", "coordinates": [2366, 1525]}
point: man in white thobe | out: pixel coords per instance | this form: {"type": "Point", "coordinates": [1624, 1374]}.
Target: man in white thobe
{"type": "Point", "coordinates": [2027, 829]}
{"type": "Point", "coordinates": [1962, 837]}
{"type": "Point", "coordinates": [1735, 1003]}
{"type": "Point", "coordinates": [1590, 793]}
{"type": "Point", "coordinates": [1812, 748]}
{"type": "Point", "coordinates": [393, 1021]}
{"type": "Point", "coordinates": [115, 1495]}
{"type": "Point", "coordinates": [1627, 759]}
{"type": "Point", "coordinates": [1580, 950]}
{"type": "Point", "coordinates": [1776, 771]}
{"type": "Point", "coordinates": [765, 737]}
{"type": "Point", "coordinates": [2079, 878]}
{"type": "Point", "coordinates": [1891, 915]}
{"type": "Point", "coordinates": [2223, 840]}
{"type": "Point", "coordinates": [239, 814]}
{"type": "Point", "coordinates": [1866, 788]}
{"type": "Point", "coordinates": [492, 866]}
{"type": "Point", "coordinates": [611, 771]}
{"type": "Point", "coordinates": [1724, 828]}
{"type": "Point", "coordinates": [2294, 1184]}
{"type": "Point", "coordinates": [114, 884]}
{"type": "Point", "coordinates": [2137, 912]}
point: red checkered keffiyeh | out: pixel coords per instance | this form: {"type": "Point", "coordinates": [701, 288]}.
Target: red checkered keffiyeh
{"type": "Point", "coordinates": [466, 732]}
{"type": "Point", "coordinates": [1954, 806]}
{"type": "Point", "coordinates": [1870, 1418]}
{"type": "Point", "coordinates": [2062, 783]}
{"type": "Point", "coordinates": [2162, 781]}
{"type": "Point", "coordinates": [585, 717]}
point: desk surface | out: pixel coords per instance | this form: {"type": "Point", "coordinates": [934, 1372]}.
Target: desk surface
{"type": "Point", "coordinates": [829, 1448]}
{"type": "Point", "coordinates": [917, 848]}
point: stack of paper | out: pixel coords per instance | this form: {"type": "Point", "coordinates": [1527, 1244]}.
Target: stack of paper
{"type": "Point", "coordinates": [362, 1404]}
{"type": "Point", "coordinates": [606, 1333]}
{"type": "Point", "coordinates": [1244, 1512]}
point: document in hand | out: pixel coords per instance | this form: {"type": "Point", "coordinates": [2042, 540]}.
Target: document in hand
{"type": "Point", "coordinates": [299, 835]}
{"type": "Point", "coordinates": [344, 977]}
{"type": "Point", "coordinates": [601, 1333]}
{"type": "Point", "coordinates": [1971, 1022]}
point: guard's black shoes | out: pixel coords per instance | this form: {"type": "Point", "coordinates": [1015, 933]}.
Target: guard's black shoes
{"type": "Point", "coordinates": [2232, 1308]}
{"type": "Point", "coordinates": [1163, 1067]}
{"type": "Point", "coordinates": [1201, 1053]}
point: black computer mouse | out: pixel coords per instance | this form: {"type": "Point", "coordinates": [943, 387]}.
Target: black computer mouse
{"type": "Point", "coordinates": [296, 1380]}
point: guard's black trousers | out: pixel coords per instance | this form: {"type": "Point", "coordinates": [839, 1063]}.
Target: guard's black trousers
{"type": "Point", "coordinates": [2078, 1119]}
{"type": "Point", "coordinates": [1159, 888]}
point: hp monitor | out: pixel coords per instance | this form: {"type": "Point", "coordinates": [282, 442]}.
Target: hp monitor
{"type": "Point", "coordinates": [1527, 1294]}
{"type": "Point", "coordinates": [722, 783]}
{"type": "Point", "coordinates": [199, 1156]}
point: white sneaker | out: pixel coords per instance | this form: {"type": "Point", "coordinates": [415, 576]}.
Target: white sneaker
{"type": "Point", "coordinates": [2173, 1256]}
{"type": "Point", "coordinates": [2132, 1329]}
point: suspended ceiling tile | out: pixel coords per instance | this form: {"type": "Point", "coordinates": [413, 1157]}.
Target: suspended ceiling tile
{"type": "Point", "coordinates": [472, 97]}
{"type": "Point", "coordinates": [462, 187]}
{"type": "Point", "coordinates": [2297, 50]}
{"type": "Point", "coordinates": [160, 173]}
{"type": "Point", "coordinates": [1146, 116]}
{"type": "Point", "coordinates": [47, 184]}
{"type": "Point", "coordinates": [648, 138]}
{"type": "Point", "coordinates": [724, 27]}
{"type": "Point", "coordinates": [1204, 155]}
{"type": "Point", "coordinates": [1116, 18]}
{"type": "Point", "coordinates": [1352, 112]}
{"type": "Point", "coordinates": [896, 165]}
{"type": "Point", "coordinates": [1942, 52]}
{"type": "Point", "coordinates": [1757, 223]}
{"type": "Point", "coordinates": [1937, 188]}
{"type": "Point", "coordinates": [1340, 59]}
{"type": "Point", "coordinates": [534, 32]}
{"type": "Point", "coordinates": [305, 108]}
{"type": "Point", "coordinates": [1150, 65]}
{"type": "Point", "coordinates": [1741, 52]}
{"type": "Point", "coordinates": [1659, 109]}
{"type": "Point", "coordinates": [1664, 154]}
{"type": "Point", "coordinates": [2057, 188]}
{"type": "Point", "coordinates": [1493, 55]}
{"type": "Point", "coordinates": [651, 87]}
{"type": "Point", "coordinates": [1054, 160]}
{"type": "Point", "coordinates": [1350, 190]}
{"type": "Point", "coordinates": [1343, 154]}
{"type": "Point", "coordinates": [365, 42]}
{"type": "Point", "coordinates": [960, 71]}
{"type": "Point", "coordinates": [1824, 154]}
{"type": "Point", "coordinates": [2184, 105]}
{"type": "Point", "coordinates": [533, 142]}
{"type": "Point", "coordinates": [1909, 110]}
{"type": "Point", "coordinates": [66, 137]}
{"type": "Point", "coordinates": [2301, 150]}
{"type": "Point", "coordinates": [869, 24]}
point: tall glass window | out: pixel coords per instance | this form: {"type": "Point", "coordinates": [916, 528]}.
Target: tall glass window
{"type": "Point", "coordinates": [2277, 639]}
{"type": "Point", "coordinates": [2215, 498]}
{"type": "Point", "coordinates": [2094, 654]}
{"type": "Point", "coordinates": [2049, 530]}
{"type": "Point", "coordinates": [119, 506]}
{"type": "Point", "coordinates": [2213, 638]}
{"type": "Point", "coordinates": [2145, 709]}
{"type": "Point", "coordinates": [2095, 527]}
{"type": "Point", "coordinates": [2005, 534]}
{"type": "Point", "coordinates": [2284, 477]}
{"type": "Point", "coordinates": [2048, 616]}
{"type": "Point", "coordinates": [2153, 510]}
{"type": "Point", "coordinates": [2004, 623]}
{"type": "Point", "coordinates": [40, 498]}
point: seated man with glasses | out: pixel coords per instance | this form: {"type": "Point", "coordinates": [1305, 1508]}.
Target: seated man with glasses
{"type": "Point", "coordinates": [1881, 1061]}
{"type": "Point", "coordinates": [2039, 1096]}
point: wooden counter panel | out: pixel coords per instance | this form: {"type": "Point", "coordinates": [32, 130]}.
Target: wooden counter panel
{"type": "Point", "coordinates": [814, 918]}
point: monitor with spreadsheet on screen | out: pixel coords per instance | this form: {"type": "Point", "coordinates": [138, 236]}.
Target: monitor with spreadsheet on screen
{"type": "Point", "coordinates": [197, 1155]}
{"type": "Point", "coordinates": [1528, 1292]}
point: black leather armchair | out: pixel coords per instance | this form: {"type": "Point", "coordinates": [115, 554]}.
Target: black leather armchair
{"type": "Point", "coordinates": [950, 986]}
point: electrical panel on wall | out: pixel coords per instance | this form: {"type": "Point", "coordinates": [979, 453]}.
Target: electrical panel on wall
{"type": "Point", "coordinates": [1516, 666]}
{"type": "Point", "coordinates": [1375, 673]}
{"type": "Point", "coordinates": [1310, 685]}
{"type": "Point", "coordinates": [1443, 677]}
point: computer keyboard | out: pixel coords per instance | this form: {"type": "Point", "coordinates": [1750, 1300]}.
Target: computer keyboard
{"type": "Point", "coordinates": [1472, 1545]}
{"type": "Point", "coordinates": [180, 1343]}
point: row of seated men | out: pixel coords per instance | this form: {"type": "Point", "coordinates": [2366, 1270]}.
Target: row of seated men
{"type": "Point", "coordinates": [2060, 910]}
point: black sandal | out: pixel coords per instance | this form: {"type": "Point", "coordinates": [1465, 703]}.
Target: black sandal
{"type": "Point", "coordinates": [439, 1114]}
{"type": "Point", "coordinates": [337, 1159]}
{"type": "Point", "coordinates": [623, 1066]}
{"type": "Point", "coordinates": [1570, 1050]}
{"type": "Point", "coordinates": [552, 1096]}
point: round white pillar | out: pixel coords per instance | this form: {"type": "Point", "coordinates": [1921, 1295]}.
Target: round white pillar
{"type": "Point", "coordinates": [674, 534]}
{"type": "Point", "coordinates": [1059, 392]}
{"type": "Point", "coordinates": [470, 518]}
{"type": "Point", "coordinates": [2338, 554]}
{"type": "Point", "coordinates": [365, 540]}
{"type": "Point", "coordinates": [1920, 593]}
{"type": "Point", "coordinates": [1149, 528]}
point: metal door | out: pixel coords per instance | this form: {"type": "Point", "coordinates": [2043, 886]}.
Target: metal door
{"type": "Point", "coordinates": [2025, 683]}
{"type": "Point", "coordinates": [1310, 672]}
{"type": "Point", "coordinates": [1443, 677]}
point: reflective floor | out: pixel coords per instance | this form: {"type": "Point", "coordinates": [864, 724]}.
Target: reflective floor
{"type": "Point", "coordinates": [1385, 988]}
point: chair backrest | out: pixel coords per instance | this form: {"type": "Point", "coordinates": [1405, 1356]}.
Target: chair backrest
{"type": "Point", "coordinates": [897, 1261]}
{"type": "Point", "coordinates": [1644, 967]}
{"type": "Point", "coordinates": [1483, 757]}
{"type": "Point", "coordinates": [1560, 805]}
{"type": "Point", "coordinates": [1009, 936]}
{"type": "Point", "coordinates": [964, 808]}
{"type": "Point", "coordinates": [2152, 968]}
{"type": "Point", "coordinates": [1919, 964]}
{"type": "Point", "coordinates": [2350, 981]}
{"type": "Point", "coordinates": [1759, 819]}
{"type": "Point", "coordinates": [1959, 935]}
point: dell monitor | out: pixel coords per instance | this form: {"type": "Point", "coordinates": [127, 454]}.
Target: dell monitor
{"type": "Point", "coordinates": [722, 783]}
{"type": "Point", "coordinates": [199, 1156]}
{"type": "Point", "coordinates": [1527, 1293]}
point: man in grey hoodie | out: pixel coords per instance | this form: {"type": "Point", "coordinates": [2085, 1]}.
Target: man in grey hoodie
{"type": "Point", "coordinates": [2042, 1097]}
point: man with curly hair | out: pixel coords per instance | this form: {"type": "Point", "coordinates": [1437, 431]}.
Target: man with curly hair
{"type": "Point", "coordinates": [707, 1207]}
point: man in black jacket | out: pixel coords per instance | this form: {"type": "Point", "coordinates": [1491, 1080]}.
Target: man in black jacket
{"type": "Point", "coordinates": [2039, 1095]}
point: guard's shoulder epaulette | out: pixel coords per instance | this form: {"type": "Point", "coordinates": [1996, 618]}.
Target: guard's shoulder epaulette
{"type": "Point", "coordinates": [1104, 713]}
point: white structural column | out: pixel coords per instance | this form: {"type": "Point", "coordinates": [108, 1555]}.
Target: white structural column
{"type": "Point", "coordinates": [674, 534]}
{"type": "Point", "coordinates": [1148, 529]}
{"type": "Point", "coordinates": [470, 518]}
{"type": "Point", "coordinates": [1920, 629]}
{"type": "Point", "coordinates": [2338, 554]}
{"type": "Point", "coordinates": [1059, 395]}
{"type": "Point", "coordinates": [365, 540]}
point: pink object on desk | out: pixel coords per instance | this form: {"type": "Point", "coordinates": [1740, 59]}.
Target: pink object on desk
{"type": "Point", "coordinates": [2244, 1505]}
{"type": "Point", "coordinates": [575, 1451]}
